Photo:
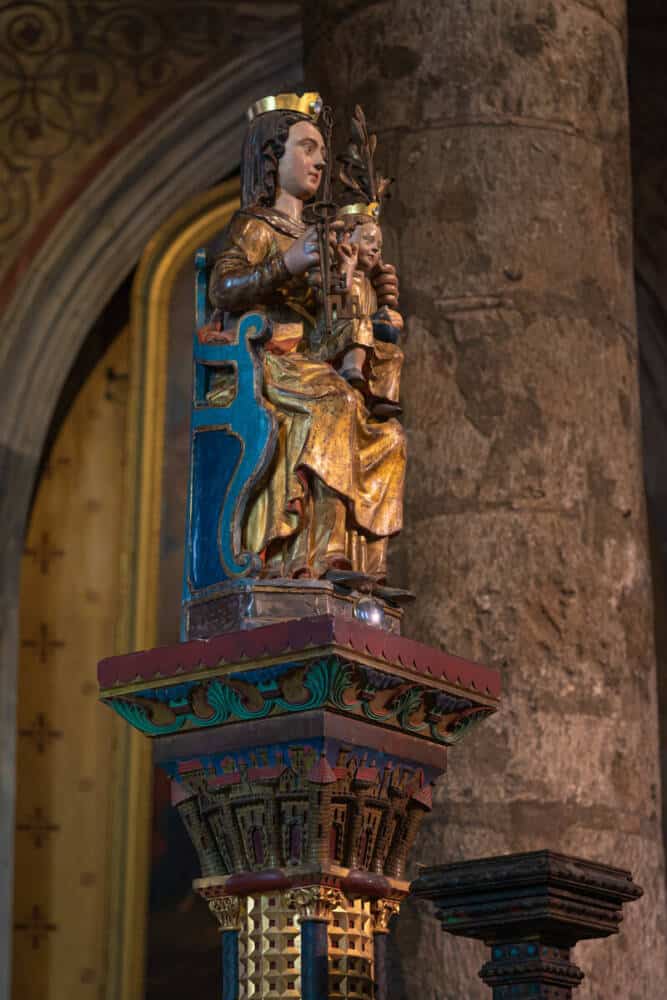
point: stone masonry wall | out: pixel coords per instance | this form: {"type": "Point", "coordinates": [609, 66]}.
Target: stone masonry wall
{"type": "Point", "coordinates": [505, 123]}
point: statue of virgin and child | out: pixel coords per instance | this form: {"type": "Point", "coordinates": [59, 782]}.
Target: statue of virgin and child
{"type": "Point", "coordinates": [333, 493]}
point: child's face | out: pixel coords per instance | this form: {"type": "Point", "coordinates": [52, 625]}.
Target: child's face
{"type": "Point", "coordinates": [369, 239]}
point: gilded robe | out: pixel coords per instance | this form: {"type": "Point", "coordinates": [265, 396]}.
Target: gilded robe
{"type": "Point", "coordinates": [334, 491]}
{"type": "Point", "coordinates": [384, 361]}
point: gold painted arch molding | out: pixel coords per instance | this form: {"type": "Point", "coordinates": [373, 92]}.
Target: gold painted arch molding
{"type": "Point", "coordinates": [169, 250]}
{"type": "Point", "coordinates": [172, 246]}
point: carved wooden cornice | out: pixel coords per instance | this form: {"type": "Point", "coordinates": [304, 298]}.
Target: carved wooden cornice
{"type": "Point", "coordinates": [322, 662]}
{"type": "Point", "coordinates": [503, 897]}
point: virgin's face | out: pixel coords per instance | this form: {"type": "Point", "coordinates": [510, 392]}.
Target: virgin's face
{"type": "Point", "coordinates": [301, 165]}
{"type": "Point", "coordinates": [369, 239]}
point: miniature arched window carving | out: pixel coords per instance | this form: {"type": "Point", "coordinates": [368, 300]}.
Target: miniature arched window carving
{"type": "Point", "coordinates": [336, 842]}
{"type": "Point", "coordinates": [220, 835]}
{"type": "Point", "coordinates": [295, 843]}
{"type": "Point", "coordinates": [361, 854]}
{"type": "Point", "coordinates": [257, 841]}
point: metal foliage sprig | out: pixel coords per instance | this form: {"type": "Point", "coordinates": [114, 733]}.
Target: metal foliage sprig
{"type": "Point", "coordinates": [322, 213]}
{"type": "Point", "coordinates": [357, 169]}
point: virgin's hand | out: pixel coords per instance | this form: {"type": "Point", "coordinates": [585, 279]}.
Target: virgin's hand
{"type": "Point", "coordinates": [304, 253]}
{"type": "Point", "coordinates": [385, 282]}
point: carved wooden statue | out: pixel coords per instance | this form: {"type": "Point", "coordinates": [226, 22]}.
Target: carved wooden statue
{"type": "Point", "coordinates": [325, 492]}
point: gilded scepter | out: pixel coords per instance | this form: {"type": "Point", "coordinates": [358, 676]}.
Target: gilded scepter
{"type": "Point", "coordinates": [323, 212]}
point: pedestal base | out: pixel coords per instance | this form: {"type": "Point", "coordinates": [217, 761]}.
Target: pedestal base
{"type": "Point", "coordinates": [302, 756]}
{"type": "Point", "coordinates": [256, 603]}
{"type": "Point", "coordinates": [531, 909]}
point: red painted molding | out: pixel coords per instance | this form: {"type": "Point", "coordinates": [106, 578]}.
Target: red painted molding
{"type": "Point", "coordinates": [297, 636]}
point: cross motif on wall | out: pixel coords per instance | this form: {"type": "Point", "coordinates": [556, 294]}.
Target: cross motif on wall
{"type": "Point", "coordinates": [38, 926]}
{"type": "Point", "coordinates": [112, 379]}
{"type": "Point", "coordinates": [44, 644]}
{"type": "Point", "coordinates": [39, 827]}
{"type": "Point", "coordinates": [44, 552]}
{"type": "Point", "coordinates": [41, 733]}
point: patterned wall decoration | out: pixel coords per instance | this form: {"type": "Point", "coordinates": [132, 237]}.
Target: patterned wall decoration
{"type": "Point", "coordinates": [78, 80]}
{"type": "Point", "coordinates": [69, 606]}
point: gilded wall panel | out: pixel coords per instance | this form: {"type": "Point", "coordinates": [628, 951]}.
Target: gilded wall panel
{"type": "Point", "coordinates": [70, 600]}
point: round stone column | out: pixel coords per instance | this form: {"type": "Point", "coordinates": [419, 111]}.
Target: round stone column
{"type": "Point", "coordinates": [505, 125]}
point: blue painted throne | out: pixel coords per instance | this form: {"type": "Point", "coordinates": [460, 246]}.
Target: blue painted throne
{"type": "Point", "coordinates": [232, 440]}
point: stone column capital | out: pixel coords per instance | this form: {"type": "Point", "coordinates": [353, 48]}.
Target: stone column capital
{"type": "Point", "coordinates": [314, 902]}
{"type": "Point", "coordinates": [227, 911]}
{"type": "Point", "coordinates": [383, 910]}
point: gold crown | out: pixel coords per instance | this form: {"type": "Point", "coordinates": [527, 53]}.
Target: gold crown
{"type": "Point", "coordinates": [370, 210]}
{"type": "Point", "coordinates": [309, 105]}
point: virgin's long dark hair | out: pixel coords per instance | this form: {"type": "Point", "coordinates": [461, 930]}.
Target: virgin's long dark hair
{"type": "Point", "coordinates": [263, 146]}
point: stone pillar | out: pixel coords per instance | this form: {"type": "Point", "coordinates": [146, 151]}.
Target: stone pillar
{"type": "Point", "coordinates": [505, 125]}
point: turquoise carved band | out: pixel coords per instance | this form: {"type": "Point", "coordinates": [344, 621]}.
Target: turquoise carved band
{"type": "Point", "coordinates": [331, 682]}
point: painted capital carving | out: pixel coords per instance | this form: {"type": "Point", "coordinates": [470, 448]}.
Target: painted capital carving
{"type": "Point", "coordinates": [314, 902]}
{"type": "Point", "coordinates": [383, 910]}
{"type": "Point", "coordinates": [227, 911]}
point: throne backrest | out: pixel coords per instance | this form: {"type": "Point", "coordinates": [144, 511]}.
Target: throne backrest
{"type": "Point", "coordinates": [232, 440]}
{"type": "Point", "coordinates": [203, 269]}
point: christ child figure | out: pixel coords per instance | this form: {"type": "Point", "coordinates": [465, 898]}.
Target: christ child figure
{"type": "Point", "coordinates": [370, 358]}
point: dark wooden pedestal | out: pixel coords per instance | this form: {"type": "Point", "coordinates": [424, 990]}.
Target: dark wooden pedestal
{"type": "Point", "coordinates": [531, 909]}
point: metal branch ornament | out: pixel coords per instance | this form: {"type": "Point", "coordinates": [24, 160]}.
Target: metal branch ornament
{"type": "Point", "coordinates": [323, 213]}
{"type": "Point", "coordinates": [357, 168]}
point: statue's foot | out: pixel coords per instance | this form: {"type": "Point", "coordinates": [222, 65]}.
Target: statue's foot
{"type": "Point", "coordinates": [393, 595]}
{"type": "Point", "coordinates": [350, 579]}
{"type": "Point", "coordinates": [384, 409]}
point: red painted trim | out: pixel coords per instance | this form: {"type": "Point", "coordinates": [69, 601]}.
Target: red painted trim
{"type": "Point", "coordinates": [297, 636]}
{"type": "Point", "coordinates": [222, 780]}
